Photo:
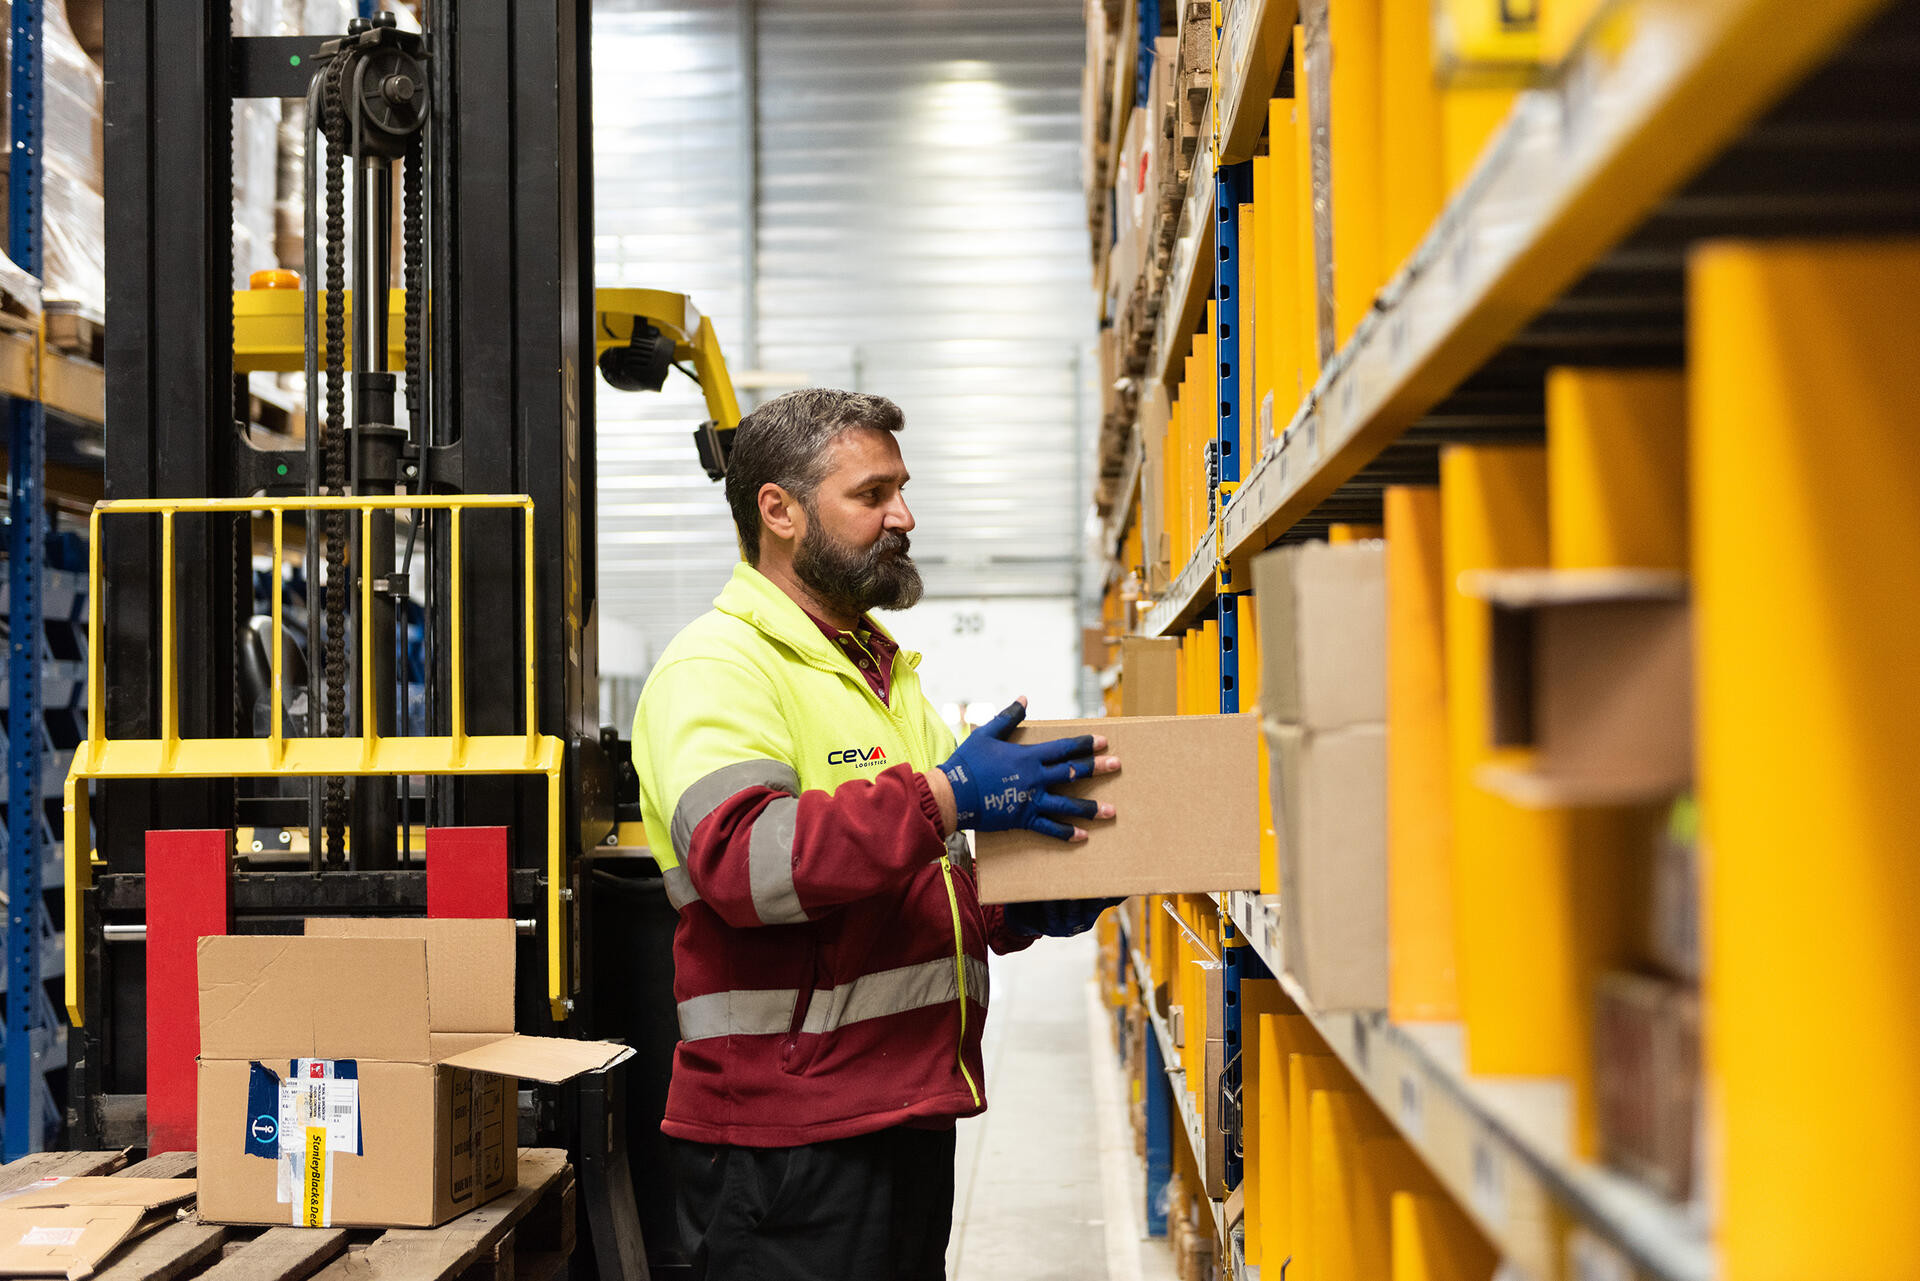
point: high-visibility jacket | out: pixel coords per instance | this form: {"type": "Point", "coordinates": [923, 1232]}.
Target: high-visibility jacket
{"type": "Point", "coordinates": [830, 959]}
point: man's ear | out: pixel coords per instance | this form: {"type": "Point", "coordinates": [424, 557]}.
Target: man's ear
{"type": "Point", "coordinates": [780, 513]}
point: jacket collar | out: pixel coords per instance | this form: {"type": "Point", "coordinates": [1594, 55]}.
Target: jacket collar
{"type": "Point", "coordinates": [753, 598]}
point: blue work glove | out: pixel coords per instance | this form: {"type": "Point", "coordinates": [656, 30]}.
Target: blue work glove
{"type": "Point", "coordinates": [999, 786]}
{"type": "Point", "coordinates": [1059, 918]}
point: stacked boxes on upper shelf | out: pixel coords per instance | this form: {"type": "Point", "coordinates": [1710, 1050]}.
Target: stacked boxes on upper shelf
{"type": "Point", "coordinates": [1323, 697]}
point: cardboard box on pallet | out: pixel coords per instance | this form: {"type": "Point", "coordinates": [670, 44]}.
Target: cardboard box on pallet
{"type": "Point", "coordinates": [1188, 815]}
{"type": "Point", "coordinates": [365, 1074]}
{"type": "Point", "coordinates": [68, 1227]}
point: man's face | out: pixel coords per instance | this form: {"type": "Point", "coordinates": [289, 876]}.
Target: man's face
{"type": "Point", "coordinates": [854, 551]}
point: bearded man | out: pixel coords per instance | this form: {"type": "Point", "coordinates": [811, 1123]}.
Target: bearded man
{"type": "Point", "coordinates": [807, 808]}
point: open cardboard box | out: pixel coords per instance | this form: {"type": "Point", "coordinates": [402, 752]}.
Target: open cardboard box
{"type": "Point", "coordinates": [365, 1074]}
{"type": "Point", "coordinates": [67, 1227]}
{"type": "Point", "coordinates": [1593, 670]}
{"type": "Point", "coordinates": [1187, 802]}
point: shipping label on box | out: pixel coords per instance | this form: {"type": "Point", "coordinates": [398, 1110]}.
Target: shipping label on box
{"type": "Point", "coordinates": [1187, 806]}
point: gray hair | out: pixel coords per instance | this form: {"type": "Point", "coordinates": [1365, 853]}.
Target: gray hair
{"type": "Point", "coordinates": [784, 442]}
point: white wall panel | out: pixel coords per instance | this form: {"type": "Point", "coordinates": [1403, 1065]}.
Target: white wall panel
{"type": "Point", "coordinates": [918, 232]}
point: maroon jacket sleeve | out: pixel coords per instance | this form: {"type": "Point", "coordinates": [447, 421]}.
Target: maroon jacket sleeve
{"type": "Point", "coordinates": [767, 857]}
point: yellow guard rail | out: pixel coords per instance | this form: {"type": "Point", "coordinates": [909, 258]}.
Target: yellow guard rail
{"type": "Point", "coordinates": [369, 753]}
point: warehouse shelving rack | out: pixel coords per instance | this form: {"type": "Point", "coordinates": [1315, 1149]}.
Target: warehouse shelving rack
{"type": "Point", "coordinates": [46, 692]}
{"type": "Point", "coordinates": [1580, 163]}
{"type": "Point", "coordinates": [1668, 122]}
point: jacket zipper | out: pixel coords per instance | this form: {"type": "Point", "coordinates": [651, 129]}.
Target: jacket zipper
{"type": "Point", "coordinates": [960, 971]}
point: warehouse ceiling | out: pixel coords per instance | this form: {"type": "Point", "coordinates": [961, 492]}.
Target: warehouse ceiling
{"type": "Point", "coordinates": [891, 203]}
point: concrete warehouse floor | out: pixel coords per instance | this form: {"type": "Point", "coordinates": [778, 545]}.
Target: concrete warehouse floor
{"type": "Point", "coordinates": [1047, 1187]}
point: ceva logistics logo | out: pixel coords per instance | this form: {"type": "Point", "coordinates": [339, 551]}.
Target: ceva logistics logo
{"type": "Point", "coordinates": [859, 758]}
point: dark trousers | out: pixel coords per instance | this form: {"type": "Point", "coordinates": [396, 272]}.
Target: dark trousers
{"type": "Point", "coordinates": [878, 1207]}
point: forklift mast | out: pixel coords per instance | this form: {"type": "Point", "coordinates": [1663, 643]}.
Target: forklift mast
{"type": "Point", "coordinates": [508, 408]}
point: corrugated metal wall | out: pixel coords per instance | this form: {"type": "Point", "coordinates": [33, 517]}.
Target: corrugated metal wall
{"type": "Point", "coordinates": [920, 234]}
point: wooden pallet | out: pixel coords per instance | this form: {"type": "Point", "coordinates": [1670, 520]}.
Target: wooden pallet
{"type": "Point", "coordinates": [77, 334]}
{"type": "Point", "coordinates": [525, 1235]}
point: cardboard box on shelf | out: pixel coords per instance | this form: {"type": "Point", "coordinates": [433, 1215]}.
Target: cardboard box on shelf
{"type": "Point", "coordinates": [1149, 676]}
{"type": "Point", "coordinates": [1093, 648]}
{"type": "Point", "coordinates": [1593, 670]}
{"type": "Point", "coordinates": [365, 1074]}
{"type": "Point", "coordinates": [1188, 812]}
{"type": "Point", "coordinates": [1213, 1137]}
{"type": "Point", "coordinates": [1330, 791]}
{"type": "Point", "coordinates": [1647, 1043]}
{"type": "Point", "coordinates": [1323, 625]}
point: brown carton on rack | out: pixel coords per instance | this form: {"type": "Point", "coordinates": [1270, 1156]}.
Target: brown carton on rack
{"type": "Point", "coordinates": [365, 1074]}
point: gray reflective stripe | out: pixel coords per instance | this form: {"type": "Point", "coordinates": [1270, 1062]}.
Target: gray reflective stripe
{"type": "Point", "coordinates": [871, 996]}
{"type": "Point", "coordinates": [705, 795]}
{"type": "Point", "coordinates": [680, 891]}
{"type": "Point", "coordinates": [756, 1013]}
{"type": "Point", "coordinates": [959, 851]}
{"type": "Point", "coordinates": [770, 865]}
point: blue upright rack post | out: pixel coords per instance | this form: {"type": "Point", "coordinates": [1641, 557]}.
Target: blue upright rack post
{"type": "Point", "coordinates": [1159, 1137]}
{"type": "Point", "coordinates": [1148, 13]}
{"type": "Point", "coordinates": [26, 465]}
{"type": "Point", "coordinates": [1233, 188]}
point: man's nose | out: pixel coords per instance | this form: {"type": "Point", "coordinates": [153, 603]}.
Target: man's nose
{"type": "Point", "coordinates": [899, 516]}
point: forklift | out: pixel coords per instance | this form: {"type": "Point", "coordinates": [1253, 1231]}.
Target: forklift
{"type": "Point", "coordinates": [370, 650]}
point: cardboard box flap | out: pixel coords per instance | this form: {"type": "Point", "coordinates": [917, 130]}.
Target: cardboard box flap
{"type": "Point", "coordinates": [469, 965]}
{"type": "Point", "coordinates": [272, 997]}
{"type": "Point", "coordinates": [68, 1241]}
{"type": "Point", "coordinates": [94, 1189]}
{"type": "Point", "coordinates": [552, 1059]}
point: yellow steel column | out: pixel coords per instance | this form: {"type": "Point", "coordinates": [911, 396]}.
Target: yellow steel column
{"type": "Point", "coordinates": [1353, 34]}
{"type": "Point", "coordinates": [1806, 535]}
{"type": "Point", "coordinates": [1421, 981]}
{"type": "Point", "coordinates": [276, 741]}
{"type": "Point", "coordinates": [1307, 1075]}
{"type": "Point", "coordinates": [1469, 115]}
{"type": "Point", "coordinates": [1412, 163]}
{"type": "Point", "coordinates": [1433, 1241]}
{"type": "Point", "coordinates": [1349, 1224]}
{"type": "Point", "coordinates": [1308, 296]}
{"type": "Point", "coordinates": [1260, 1000]}
{"type": "Point", "coordinates": [1616, 468]}
{"type": "Point", "coordinates": [169, 647]}
{"type": "Point", "coordinates": [456, 661]}
{"type": "Point", "coordinates": [1541, 896]}
{"type": "Point", "coordinates": [1277, 197]}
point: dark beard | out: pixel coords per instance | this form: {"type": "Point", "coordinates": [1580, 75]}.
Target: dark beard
{"type": "Point", "coordinates": [853, 581]}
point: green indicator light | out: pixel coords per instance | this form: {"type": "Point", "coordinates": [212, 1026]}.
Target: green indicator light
{"type": "Point", "coordinates": [294, 60]}
{"type": "Point", "coordinates": [280, 469]}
